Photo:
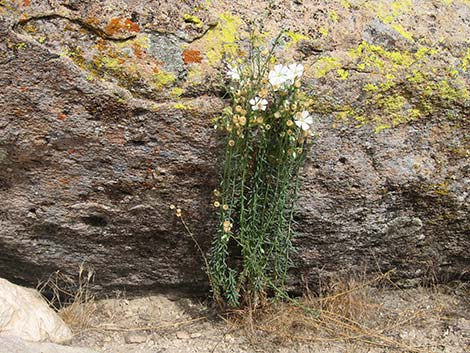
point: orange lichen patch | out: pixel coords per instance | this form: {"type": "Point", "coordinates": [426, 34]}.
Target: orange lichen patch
{"type": "Point", "coordinates": [92, 21]}
{"type": "Point", "coordinates": [64, 181]}
{"type": "Point", "coordinates": [62, 116]}
{"type": "Point", "coordinates": [113, 26]}
{"type": "Point", "coordinates": [26, 2]}
{"type": "Point", "coordinates": [24, 89]}
{"type": "Point", "coordinates": [119, 25]}
{"type": "Point", "coordinates": [155, 69]}
{"type": "Point", "coordinates": [131, 26]}
{"type": "Point", "coordinates": [102, 44]}
{"type": "Point", "coordinates": [192, 56]}
{"type": "Point", "coordinates": [23, 18]}
{"type": "Point", "coordinates": [138, 51]}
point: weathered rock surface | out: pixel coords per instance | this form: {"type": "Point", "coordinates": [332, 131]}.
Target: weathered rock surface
{"type": "Point", "coordinates": [25, 314]}
{"type": "Point", "coordinates": [17, 345]}
{"type": "Point", "coordinates": [105, 120]}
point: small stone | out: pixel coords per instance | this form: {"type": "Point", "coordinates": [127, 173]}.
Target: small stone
{"type": "Point", "coordinates": [133, 338]}
{"type": "Point", "coordinates": [182, 335]}
{"type": "Point", "coordinates": [196, 335]}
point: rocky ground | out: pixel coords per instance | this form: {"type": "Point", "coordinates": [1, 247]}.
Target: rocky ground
{"type": "Point", "coordinates": [380, 320]}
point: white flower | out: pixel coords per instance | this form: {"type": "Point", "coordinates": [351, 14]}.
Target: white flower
{"type": "Point", "coordinates": [295, 71]}
{"type": "Point", "coordinates": [258, 103]}
{"type": "Point", "coordinates": [304, 120]}
{"type": "Point", "coordinates": [234, 73]}
{"type": "Point", "coordinates": [278, 76]}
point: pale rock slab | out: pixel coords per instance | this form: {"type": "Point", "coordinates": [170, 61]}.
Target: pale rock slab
{"type": "Point", "coordinates": [17, 345]}
{"type": "Point", "coordinates": [25, 314]}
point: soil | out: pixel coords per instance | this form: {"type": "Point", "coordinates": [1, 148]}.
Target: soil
{"type": "Point", "coordinates": [380, 321]}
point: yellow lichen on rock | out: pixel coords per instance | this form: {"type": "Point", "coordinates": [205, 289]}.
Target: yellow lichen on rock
{"type": "Point", "coordinates": [466, 62]}
{"type": "Point", "coordinates": [295, 37]}
{"type": "Point", "coordinates": [163, 79]}
{"type": "Point", "coordinates": [324, 66]}
{"type": "Point", "coordinates": [221, 41]}
{"type": "Point", "coordinates": [193, 19]}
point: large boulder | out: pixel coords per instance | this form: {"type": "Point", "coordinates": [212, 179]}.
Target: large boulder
{"type": "Point", "coordinates": [25, 314]}
{"type": "Point", "coordinates": [105, 120]}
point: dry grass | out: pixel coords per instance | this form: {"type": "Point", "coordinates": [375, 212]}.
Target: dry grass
{"type": "Point", "coordinates": [71, 297]}
{"type": "Point", "coordinates": [346, 314]}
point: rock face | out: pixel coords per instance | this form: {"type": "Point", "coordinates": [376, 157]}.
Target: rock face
{"type": "Point", "coordinates": [105, 120]}
{"type": "Point", "coordinates": [24, 314]}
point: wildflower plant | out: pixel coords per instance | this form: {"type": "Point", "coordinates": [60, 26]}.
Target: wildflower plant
{"type": "Point", "coordinates": [267, 130]}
